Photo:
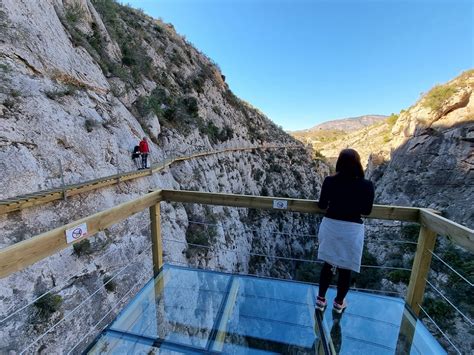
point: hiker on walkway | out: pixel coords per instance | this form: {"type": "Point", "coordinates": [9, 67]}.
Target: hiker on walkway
{"type": "Point", "coordinates": [144, 151]}
{"type": "Point", "coordinates": [347, 196]}
{"type": "Point", "coordinates": [136, 156]}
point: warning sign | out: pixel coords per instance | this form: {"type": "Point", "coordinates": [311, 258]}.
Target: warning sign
{"type": "Point", "coordinates": [280, 204]}
{"type": "Point", "coordinates": [76, 232]}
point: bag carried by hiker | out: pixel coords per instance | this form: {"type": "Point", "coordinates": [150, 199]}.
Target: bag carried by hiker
{"type": "Point", "coordinates": [136, 152]}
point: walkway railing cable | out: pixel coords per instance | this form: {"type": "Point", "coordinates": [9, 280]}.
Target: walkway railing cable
{"type": "Point", "coordinates": [110, 311]}
{"type": "Point", "coordinates": [61, 286]}
{"type": "Point", "coordinates": [451, 268]}
{"type": "Point", "coordinates": [247, 230]}
{"type": "Point", "coordinates": [451, 303]}
{"type": "Point", "coordinates": [83, 302]}
{"type": "Point", "coordinates": [276, 257]}
{"type": "Point", "coordinates": [439, 329]}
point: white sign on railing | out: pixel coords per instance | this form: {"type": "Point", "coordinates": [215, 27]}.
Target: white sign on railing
{"type": "Point", "coordinates": [280, 204]}
{"type": "Point", "coordinates": [76, 232]}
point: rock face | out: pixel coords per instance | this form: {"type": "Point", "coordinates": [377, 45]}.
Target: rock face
{"type": "Point", "coordinates": [432, 153]}
{"type": "Point", "coordinates": [422, 157]}
{"type": "Point", "coordinates": [82, 82]}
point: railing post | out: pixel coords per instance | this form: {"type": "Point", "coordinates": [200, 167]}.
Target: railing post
{"type": "Point", "coordinates": [420, 269]}
{"type": "Point", "coordinates": [156, 245]}
{"type": "Point", "coordinates": [63, 186]}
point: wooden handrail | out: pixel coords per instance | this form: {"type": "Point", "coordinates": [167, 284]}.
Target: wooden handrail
{"type": "Point", "coordinates": [25, 253]}
{"type": "Point", "coordinates": [458, 233]}
{"type": "Point", "coordinates": [410, 214]}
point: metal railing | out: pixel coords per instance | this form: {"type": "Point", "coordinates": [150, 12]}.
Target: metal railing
{"type": "Point", "coordinates": [23, 254]}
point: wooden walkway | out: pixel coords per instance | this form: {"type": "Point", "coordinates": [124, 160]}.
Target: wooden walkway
{"type": "Point", "coordinates": [21, 202]}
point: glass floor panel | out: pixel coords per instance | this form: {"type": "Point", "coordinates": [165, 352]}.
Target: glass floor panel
{"type": "Point", "coordinates": [185, 311]}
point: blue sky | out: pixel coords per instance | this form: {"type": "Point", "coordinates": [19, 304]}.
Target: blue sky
{"type": "Point", "coordinates": [303, 62]}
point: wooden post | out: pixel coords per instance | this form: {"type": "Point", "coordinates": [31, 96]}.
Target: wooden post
{"type": "Point", "coordinates": [156, 245]}
{"type": "Point", "coordinates": [420, 269]}
{"type": "Point", "coordinates": [63, 186]}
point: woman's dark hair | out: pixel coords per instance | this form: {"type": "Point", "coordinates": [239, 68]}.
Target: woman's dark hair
{"type": "Point", "coordinates": [348, 164]}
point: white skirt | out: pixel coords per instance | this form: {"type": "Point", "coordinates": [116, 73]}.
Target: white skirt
{"type": "Point", "coordinates": [341, 243]}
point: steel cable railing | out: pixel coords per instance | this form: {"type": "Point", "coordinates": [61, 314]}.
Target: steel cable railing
{"type": "Point", "coordinates": [105, 316]}
{"type": "Point", "coordinates": [68, 315]}
{"type": "Point", "coordinates": [438, 327]}
{"type": "Point", "coordinates": [247, 230]}
{"type": "Point", "coordinates": [276, 257]}
{"type": "Point", "coordinates": [61, 286]}
{"type": "Point", "coordinates": [451, 268]}
{"type": "Point", "coordinates": [448, 301]}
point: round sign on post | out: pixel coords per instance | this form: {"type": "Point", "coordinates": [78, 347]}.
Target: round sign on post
{"type": "Point", "coordinates": [280, 204]}
{"type": "Point", "coordinates": [76, 233]}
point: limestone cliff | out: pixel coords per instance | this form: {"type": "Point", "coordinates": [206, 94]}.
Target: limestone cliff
{"type": "Point", "coordinates": [431, 161]}
{"type": "Point", "coordinates": [82, 82]}
{"type": "Point", "coordinates": [423, 156]}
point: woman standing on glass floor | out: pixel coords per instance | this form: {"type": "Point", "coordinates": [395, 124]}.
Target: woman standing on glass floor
{"type": "Point", "coordinates": [347, 196]}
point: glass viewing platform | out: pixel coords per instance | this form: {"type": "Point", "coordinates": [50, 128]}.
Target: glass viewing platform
{"type": "Point", "coordinates": [184, 310]}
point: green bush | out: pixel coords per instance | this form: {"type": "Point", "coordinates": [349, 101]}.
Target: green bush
{"type": "Point", "coordinates": [15, 93]}
{"type": "Point", "coordinates": [397, 276]}
{"type": "Point", "coordinates": [275, 168]}
{"type": "Point", "coordinates": [197, 234]}
{"type": "Point", "coordinates": [225, 134]}
{"type": "Point", "coordinates": [438, 96]}
{"type": "Point", "coordinates": [440, 311]}
{"type": "Point", "coordinates": [410, 231]}
{"type": "Point", "coordinates": [368, 277]}
{"type": "Point", "coordinates": [5, 68]}
{"type": "Point", "coordinates": [47, 305]}
{"type": "Point", "coordinates": [9, 103]}
{"type": "Point", "coordinates": [254, 263]}
{"type": "Point", "coordinates": [74, 13]}
{"type": "Point", "coordinates": [123, 25]}
{"type": "Point", "coordinates": [257, 174]}
{"type": "Point", "coordinates": [308, 272]}
{"type": "Point", "coordinates": [90, 124]}
{"type": "Point", "coordinates": [170, 114]}
{"type": "Point", "coordinates": [69, 90]}
{"type": "Point", "coordinates": [108, 10]}
{"type": "Point", "coordinates": [392, 119]}
{"type": "Point", "coordinates": [110, 286]}
{"type": "Point", "coordinates": [83, 247]}
{"type": "Point", "coordinates": [191, 105]}
{"type": "Point", "coordinates": [210, 130]}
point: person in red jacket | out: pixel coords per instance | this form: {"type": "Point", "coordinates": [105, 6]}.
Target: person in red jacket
{"type": "Point", "coordinates": [144, 151]}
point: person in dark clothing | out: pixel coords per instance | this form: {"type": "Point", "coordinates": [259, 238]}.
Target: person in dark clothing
{"type": "Point", "coordinates": [136, 156]}
{"type": "Point", "coordinates": [144, 151]}
{"type": "Point", "coordinates": [347, 196]}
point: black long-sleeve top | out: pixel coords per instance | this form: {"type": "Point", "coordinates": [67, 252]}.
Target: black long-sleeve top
{"type": "Point", "coordinates": [346, 198]}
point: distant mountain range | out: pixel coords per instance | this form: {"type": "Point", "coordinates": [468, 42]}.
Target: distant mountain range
{"type": "Point", "coordinates": [345, 124]}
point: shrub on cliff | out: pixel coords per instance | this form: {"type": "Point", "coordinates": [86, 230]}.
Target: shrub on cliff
{"type": "Point", "coordinates": [438, 96]}
{"type": "Point", "coordinates": [82, 248]}
{"type": "Point", "coordinates": [198, 235]}
{"type": "Point", "coordinates": [47, 305]}
{"type": "Point", "coordinates": [392, 119]}
{"type": "Point", "coordinates": [74, 13]}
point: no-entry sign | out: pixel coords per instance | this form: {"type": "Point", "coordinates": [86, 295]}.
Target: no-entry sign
{"type": "Point", "coordinates": [76, 232]}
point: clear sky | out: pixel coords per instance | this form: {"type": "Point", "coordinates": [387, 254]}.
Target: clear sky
{"type": "Point", "coordinates": [303, 62]}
